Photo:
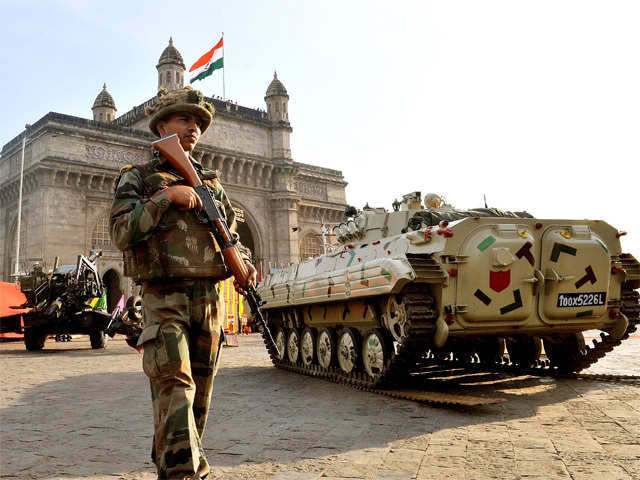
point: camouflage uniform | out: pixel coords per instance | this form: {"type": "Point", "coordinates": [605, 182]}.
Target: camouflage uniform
{"type": "Point", "coordinates": [178, 263]}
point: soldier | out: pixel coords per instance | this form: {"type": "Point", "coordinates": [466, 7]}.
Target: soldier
{"type": "Point", "coordinates": [178, 263]}
{"type": "Point", "coordinates": [433, 200]}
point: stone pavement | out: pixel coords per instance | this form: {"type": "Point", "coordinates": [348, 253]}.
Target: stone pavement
{"type": "Point", "coordinates": [72, 412]}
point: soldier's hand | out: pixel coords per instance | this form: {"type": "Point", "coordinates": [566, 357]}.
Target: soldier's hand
{"type": "Point", "coordinates": [253, 277]}
{"type": "Point", "coordinates": [183, 197]}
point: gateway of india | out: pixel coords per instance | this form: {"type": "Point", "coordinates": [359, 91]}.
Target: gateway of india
{"type": "Point", "coordinates": [71, 165]}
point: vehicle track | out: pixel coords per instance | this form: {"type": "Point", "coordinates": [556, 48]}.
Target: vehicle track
{"type": "Point", "coordinates": [404, 371]}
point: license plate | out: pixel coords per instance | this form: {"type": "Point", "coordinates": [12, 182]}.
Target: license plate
{"type": "Point", "coordinates": [593, 299]}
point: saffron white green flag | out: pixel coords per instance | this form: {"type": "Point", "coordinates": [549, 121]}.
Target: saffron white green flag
{"type": "Point", "coordinates": [206, 64]}
{"type": "Point", "coordinates": [100, 302]}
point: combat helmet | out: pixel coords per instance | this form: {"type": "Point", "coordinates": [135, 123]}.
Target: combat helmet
{"type": "Point", "coordinates": [183, 100]}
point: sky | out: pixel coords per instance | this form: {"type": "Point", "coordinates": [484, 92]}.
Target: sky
{"type": "Point", "coordinates": [534, 104]}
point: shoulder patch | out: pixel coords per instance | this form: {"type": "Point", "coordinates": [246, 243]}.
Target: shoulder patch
{"type": "Point", "coordinates": [126, 172]}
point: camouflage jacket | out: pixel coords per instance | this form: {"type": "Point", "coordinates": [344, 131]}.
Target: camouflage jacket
{"type": "Point", "coordinates": [157, 239]}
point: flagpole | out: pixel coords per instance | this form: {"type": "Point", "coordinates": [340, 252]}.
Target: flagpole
{"type": "Point", "coordinates": [224, 96]}
{"type": "Point", "coordinates": [24, 141]}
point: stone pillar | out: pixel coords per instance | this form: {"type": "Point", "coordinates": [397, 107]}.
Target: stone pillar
{"type": "Point", "coordinates": [224, 162]}
{"type": "Point", "coordinates": [231, 174]}
{"type": "Point", "coordinates": [266, 181]}
{"type": "Point", "coordinates": [249, 172]}
{"type": "Point", "coordinates": [206, 160]}
{"type": "Point", "coordinates": [217, 163]}
{"type": "Point", "coordinates": [238, 170]}
{"type": "Point", "coordinates": [257, 177]}
{"type": "Point", "coordinates": [198, 155]}
{"type": "Point", "coordinates": [284, 216]}
{"type": "Point", "coordinates": [244, 173]}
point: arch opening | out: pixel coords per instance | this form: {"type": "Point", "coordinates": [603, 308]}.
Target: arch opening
{"type": "Point", "coordinates": [112, 282]}
{"type": "Point", "coordinates": [246, 237]}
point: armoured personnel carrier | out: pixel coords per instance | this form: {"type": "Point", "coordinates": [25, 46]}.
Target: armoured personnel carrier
{"type": "Point", "coordinates": [418, 285]}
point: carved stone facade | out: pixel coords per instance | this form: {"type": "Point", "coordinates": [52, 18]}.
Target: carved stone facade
{"type": "Point", "coordinates": [71, 165]}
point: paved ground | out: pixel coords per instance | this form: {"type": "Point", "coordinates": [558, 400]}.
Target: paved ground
{"type": "Point", "coordinates": [71, 412]}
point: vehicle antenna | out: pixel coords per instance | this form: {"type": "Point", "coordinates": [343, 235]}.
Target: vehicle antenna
{"type": "Point", "coordinates": [324, 231]}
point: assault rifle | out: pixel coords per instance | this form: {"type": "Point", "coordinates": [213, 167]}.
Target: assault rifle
{"type": "Point", "coordinates": [171, 149]}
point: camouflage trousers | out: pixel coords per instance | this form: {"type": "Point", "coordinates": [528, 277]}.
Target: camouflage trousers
{"type": "Point", "coordinates": [181, 342]}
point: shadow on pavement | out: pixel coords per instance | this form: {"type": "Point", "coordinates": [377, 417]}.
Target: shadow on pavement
{"type": "Point", "coordinates": [101, 424]}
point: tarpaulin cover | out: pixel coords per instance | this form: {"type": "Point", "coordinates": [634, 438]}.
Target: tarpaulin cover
{"type": "Point", "coordinates": [11, 296]}
{"type": "Point", "coordinates": [433, 216]}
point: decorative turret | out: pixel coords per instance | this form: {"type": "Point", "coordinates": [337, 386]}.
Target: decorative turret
{"type": "Point", "coordinates": [104, 108]}
{"type": "Point", "coordinates": [284, 199]}
{"type": "Point", "coordinates": [277, 101]}
{"type": "Point", "coordinates": [278, 110]}
{"type": "Point", "coordinates": [170, 68]}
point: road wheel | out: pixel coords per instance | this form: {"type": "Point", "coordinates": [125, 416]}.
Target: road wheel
{"type": "Point", "coordinates": [293, 345]}
{"type": "Point", "coordinates": [308, 347]}
{"type": "Point", "coordinates": [281, 343]}
{"type": "Point", "coordinates": [348, 351]}
{"type": "Point", "coordinates": [326, 348]}
{"type": "Point", "coordinates": [34, 339]}
{"type": "Point", "coordinates": [396, 318]}
{"type": "Point", "coordinates": [566, 351]}
{"type": "Point", "coordinates": [376, 353]}
{"type": "Point", "coordinates": [491, 350]}
{"type": "Point", "coordinates": [98, 339]}
{"type": "Point", "coordinates": [524, 351]}
{"type": "Point", "coordinates": [134, 308]}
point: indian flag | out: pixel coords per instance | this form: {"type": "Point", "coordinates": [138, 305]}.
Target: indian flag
{"type": "Point", "coordinates": [100, 302]}
{"type": "Point", "coordinates": [206, 64]}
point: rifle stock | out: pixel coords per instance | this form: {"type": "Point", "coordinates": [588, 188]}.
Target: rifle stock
{"type": "Point", "coordinates": [171, 149]}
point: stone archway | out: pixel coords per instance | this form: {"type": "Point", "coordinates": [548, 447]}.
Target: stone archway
{"type": "Point", "coordinates": [112, 282]}
{"type": "Point", "coordinates": [250, 234]}
{"type": "Point", "coordinates": [246, 237]}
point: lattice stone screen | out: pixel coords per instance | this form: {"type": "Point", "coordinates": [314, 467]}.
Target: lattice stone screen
{"type": "Point", "coordinates": [311, 245]}
{"type": "Point", "coordinates": [100, 236]}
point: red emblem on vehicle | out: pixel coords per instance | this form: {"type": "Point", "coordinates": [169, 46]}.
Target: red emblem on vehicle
{"type": "Point", "coordinates": [498, 281]}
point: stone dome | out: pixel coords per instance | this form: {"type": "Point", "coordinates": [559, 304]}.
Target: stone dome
{"type": "Point", "coordinates": [171, 55]}
{"type": "Point", "coordinates": [276, 87]}
{"type": "Point", "coordinates": [104, 99]}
